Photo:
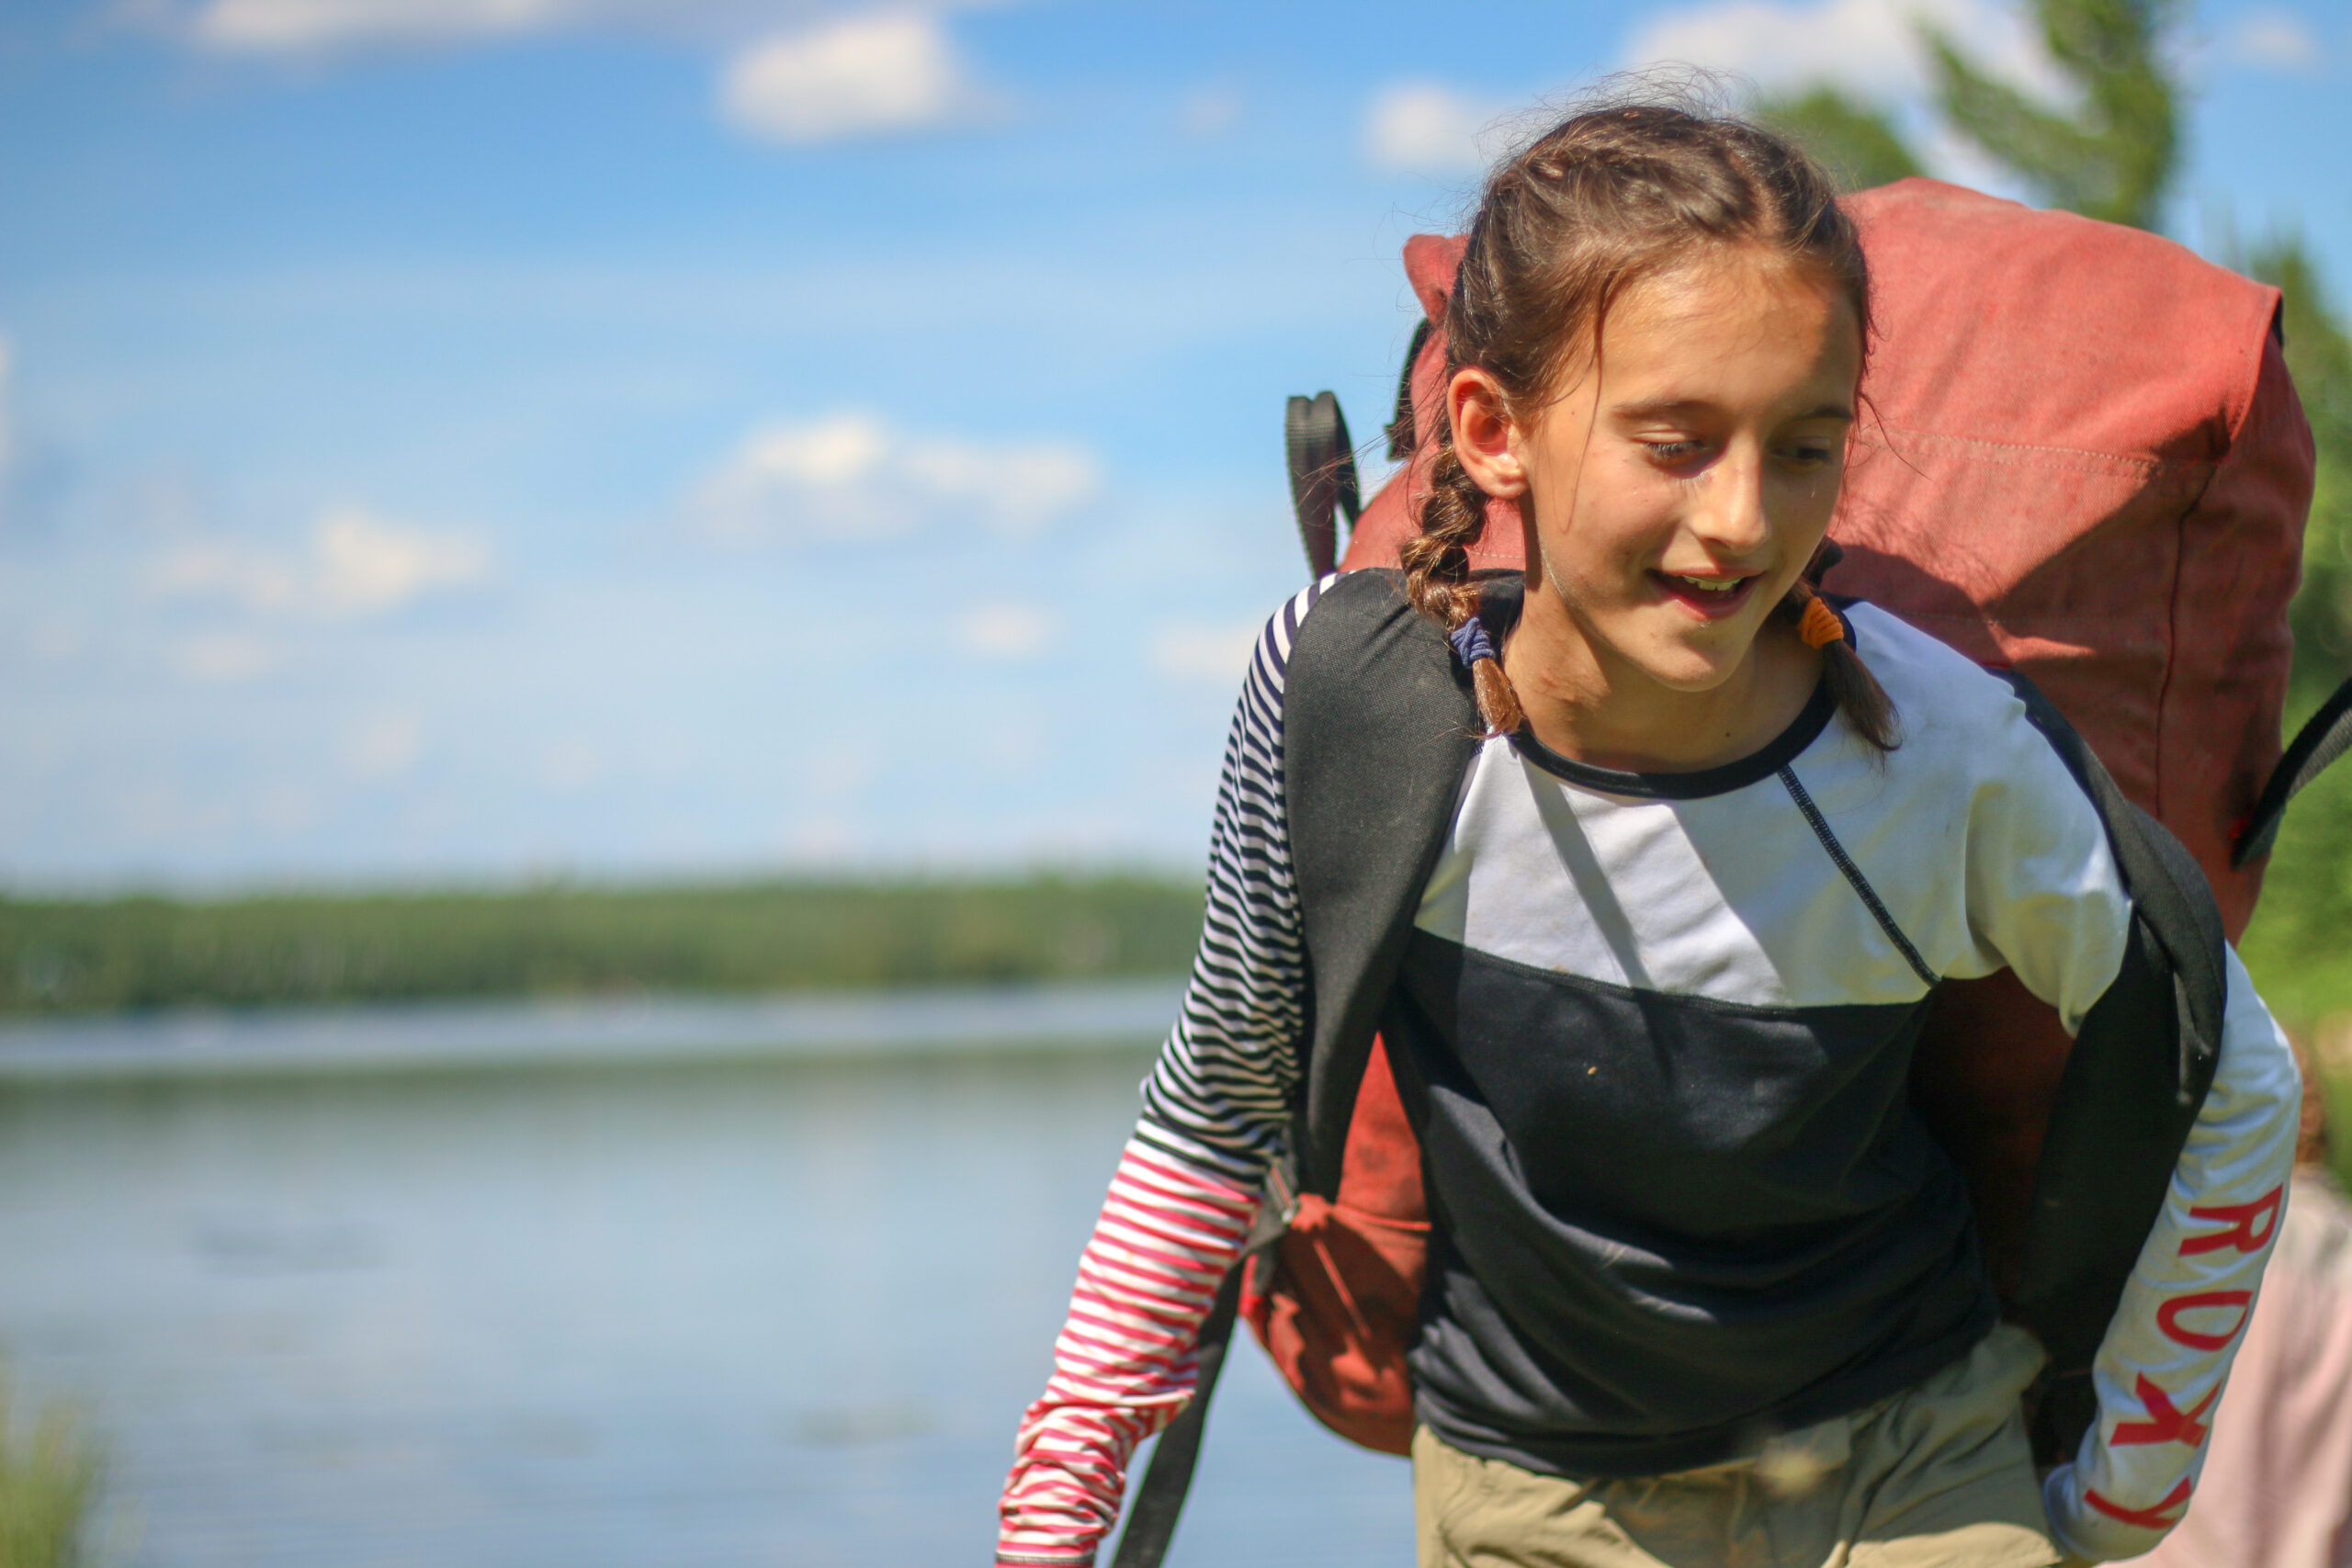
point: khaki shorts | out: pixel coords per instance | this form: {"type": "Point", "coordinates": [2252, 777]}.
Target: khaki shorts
{"type": "Point", "coordinates": [1939, 1476]}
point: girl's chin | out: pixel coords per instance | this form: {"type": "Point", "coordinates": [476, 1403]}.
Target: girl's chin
{"type": "Point", "coordinates": [1685, 662]}
{"type": "Point", "coordinates": [1691, 683]}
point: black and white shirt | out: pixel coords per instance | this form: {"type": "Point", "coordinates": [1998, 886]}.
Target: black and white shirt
{"type": "Point", "coordinates": [1659, 1028]}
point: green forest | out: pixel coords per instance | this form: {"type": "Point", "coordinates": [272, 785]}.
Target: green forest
{"type": "Point", "coordinates": [94, 955]}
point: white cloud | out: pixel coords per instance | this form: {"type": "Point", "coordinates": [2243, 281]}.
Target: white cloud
{"type": "Point", "coordinates": [356, 565]}
{"type": "Point", "coordinates": [570, 766]}
{"type": "Point", "coordinates": [306, 27]}
{"type": "Point", "coordinates": [1209, 112]}
{"type": "Point", "coordinates": [366, 567]}
{"type": "Point", "coordinates": [313, 28]}
{"type": "Point", "coordinates": [842, 768]}
{"type": "Point", "coordinates": [223, 657]}
{"type": "Point", "coordinates": [2273, 40]}
{"type": "Point", "coordinates": [1218, 655]}
{"type": "Point", "coordinates": [1427, 128]}
{"type": "Point", "coordinates": [216, 568]}
{"type": "Point", "coordinates": [858, 76]}
{"type": "Point", "coordinates": [1005, 631]}
{"type": "Point", "coordinates": [851, 477]}
{"type": "Point", "coordinates": [1871, 48]}
{"type": "Point", "coordinates": [384, 747]}
{"type": "Point", "coordinates": [797, 72]}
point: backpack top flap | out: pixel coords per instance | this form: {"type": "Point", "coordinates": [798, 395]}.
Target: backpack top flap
{"type": "Point", "coordinates": [1379, 727]}
{"type": "Point", "coordinates": [2081, 458]}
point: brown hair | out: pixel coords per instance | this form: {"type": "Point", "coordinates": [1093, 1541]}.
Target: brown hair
{"type": "Point", "coordinates": [1608, 197]}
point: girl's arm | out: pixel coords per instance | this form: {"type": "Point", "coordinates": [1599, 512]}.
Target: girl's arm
{"type": "Point", "coordinates": [1217, 1107]}
{"type": "Point", "coordinates": [2159, 1369]}
{"type": "Point", "coordinates": [2046, 898]}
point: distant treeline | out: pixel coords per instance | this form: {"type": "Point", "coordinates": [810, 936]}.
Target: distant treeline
{"type": "Point", "coordinates": [61, 956]}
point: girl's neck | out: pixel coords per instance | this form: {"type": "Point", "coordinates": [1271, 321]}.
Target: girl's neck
{"type": "Point", "coordinates": [1588, 704]}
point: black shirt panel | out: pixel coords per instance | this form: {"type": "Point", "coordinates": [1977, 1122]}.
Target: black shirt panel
{"type": "Point", "coordinates": [1665, 1226]}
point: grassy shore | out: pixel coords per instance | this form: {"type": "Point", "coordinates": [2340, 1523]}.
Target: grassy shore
{"type": "Point", "coordinates": [49, 1477]}
{"type": "Point", "coordinates": [109, 954]}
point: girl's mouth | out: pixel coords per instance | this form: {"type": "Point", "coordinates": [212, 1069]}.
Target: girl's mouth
{"type": "Point", "coordinates": [1709, 598]}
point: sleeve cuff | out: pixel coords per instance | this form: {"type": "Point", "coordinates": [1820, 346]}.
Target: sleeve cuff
{"type": "Point", "coordinates": [2078, 1526]}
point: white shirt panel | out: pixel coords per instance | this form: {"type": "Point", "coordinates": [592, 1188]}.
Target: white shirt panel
{"type": "Point", "coordinates": [1980, 846]}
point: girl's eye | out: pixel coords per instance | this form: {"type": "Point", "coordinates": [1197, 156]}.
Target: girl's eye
{"type": "Point", "coordinates": [1674, 453]}
{"type": "Point", "coordinates": [1809, 455]}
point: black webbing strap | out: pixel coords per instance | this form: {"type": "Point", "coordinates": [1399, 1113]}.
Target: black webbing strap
{"type": "Point", "coordinates": [2326, 736]}
{"type": "Point", "coordinates": [1153, 1510]}
{"type": "Point", "coordinates": [1322, 475]}
{"type": "Point", "coordinates": [1403, 433]}
{"type": "Point", "coordinates": [2168, 890]}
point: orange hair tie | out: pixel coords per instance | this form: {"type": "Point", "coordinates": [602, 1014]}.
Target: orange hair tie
{"type": "Point", "coordinates": [1819, 625]}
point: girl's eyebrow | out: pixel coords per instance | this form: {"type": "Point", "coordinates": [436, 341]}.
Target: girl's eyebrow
{"type": "Point", "coordinates": [1660, 408]}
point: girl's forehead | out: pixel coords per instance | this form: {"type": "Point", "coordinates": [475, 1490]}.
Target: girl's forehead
{"type": "Point", "coordinates": [1727, 309]}
{"type": "Point", "coordinates": [1726, 283]}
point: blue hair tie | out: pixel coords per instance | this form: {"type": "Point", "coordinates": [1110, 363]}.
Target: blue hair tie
{"type": "Point", "coordinates": [1470, 642]}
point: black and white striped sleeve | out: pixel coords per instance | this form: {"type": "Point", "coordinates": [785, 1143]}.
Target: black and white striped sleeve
{"type": "Point", "coordinates": [1220, 1095]}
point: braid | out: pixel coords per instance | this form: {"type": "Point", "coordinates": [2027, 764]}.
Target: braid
{"type": "Point", "coordinates": [1855, 691]}
{"type": "Point", "coordinates": [1437, 574]}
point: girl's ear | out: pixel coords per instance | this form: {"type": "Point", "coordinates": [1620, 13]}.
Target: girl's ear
{"type": "Point", "coordinates": [1484, 434]}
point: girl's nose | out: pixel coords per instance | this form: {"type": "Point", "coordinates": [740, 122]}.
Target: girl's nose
{"type": "Point", "coordinates": [1728, 511]}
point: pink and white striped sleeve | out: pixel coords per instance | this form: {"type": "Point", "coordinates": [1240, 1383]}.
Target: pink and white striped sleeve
{"type": "Point", "coordinates": [1124, 1363]}
{"type": "Point", "coordinates": [1217, 1111]}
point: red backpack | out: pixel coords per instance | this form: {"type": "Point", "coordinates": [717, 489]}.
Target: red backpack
{"type": "Point", "coordinates": [2082, 460]}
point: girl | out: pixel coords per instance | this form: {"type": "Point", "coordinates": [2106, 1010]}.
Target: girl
{"type": "Point", "coordinates": [1701, 1289]}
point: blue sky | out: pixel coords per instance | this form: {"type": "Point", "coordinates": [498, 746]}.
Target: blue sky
{"type": "Point", "coordinates": [484, 438]}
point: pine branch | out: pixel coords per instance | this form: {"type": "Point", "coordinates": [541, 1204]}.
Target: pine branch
{"type": "Point", "coordinates": [1857, 145]}
{"type": "Point", "coordinates": [2113, 159]}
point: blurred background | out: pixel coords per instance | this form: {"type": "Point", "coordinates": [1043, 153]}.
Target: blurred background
{"type": "Point", "coordinates": [617, 620]}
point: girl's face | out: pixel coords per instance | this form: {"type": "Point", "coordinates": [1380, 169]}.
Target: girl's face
{"type": "Point", "coordinates": [1679, 486]}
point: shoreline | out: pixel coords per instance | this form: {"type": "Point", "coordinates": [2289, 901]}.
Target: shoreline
{"type": "Point", "coordinates": [620, 1031]}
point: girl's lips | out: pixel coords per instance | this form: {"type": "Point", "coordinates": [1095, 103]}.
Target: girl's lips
{"type": "Point", "coordinates": [1707, 603]}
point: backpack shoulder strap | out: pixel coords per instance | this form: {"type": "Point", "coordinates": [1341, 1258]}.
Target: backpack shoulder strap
{"type": "Point", "coordinates": [1322, 460]}
{"type": "Point", "coordinates": [1379, 727]}
{"type": "Point", "coordinates": [1158, 1501]}
{"type": "Point", "coordinates": [1379, 724]}
{"type": "Point", "coordinates": [2323, 738]}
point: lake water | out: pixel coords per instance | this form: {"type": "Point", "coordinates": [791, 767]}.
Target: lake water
{"type": "Point", "coordinates": [768, 1286]}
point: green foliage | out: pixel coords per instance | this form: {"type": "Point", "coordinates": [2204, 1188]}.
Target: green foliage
{"type": "Point", "coordinates": [2319, 355]}
{"type": "Point", "coordinates": [2115, 156]}
{"type": "Point", "coordinates": [49, 1478]}
{"type": "Point", "coordinates": [77, 956]}
{"type": "Point", "coordinates": [1855, 144]}
{"type": "Point", "coordinates": [2300, 947]}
